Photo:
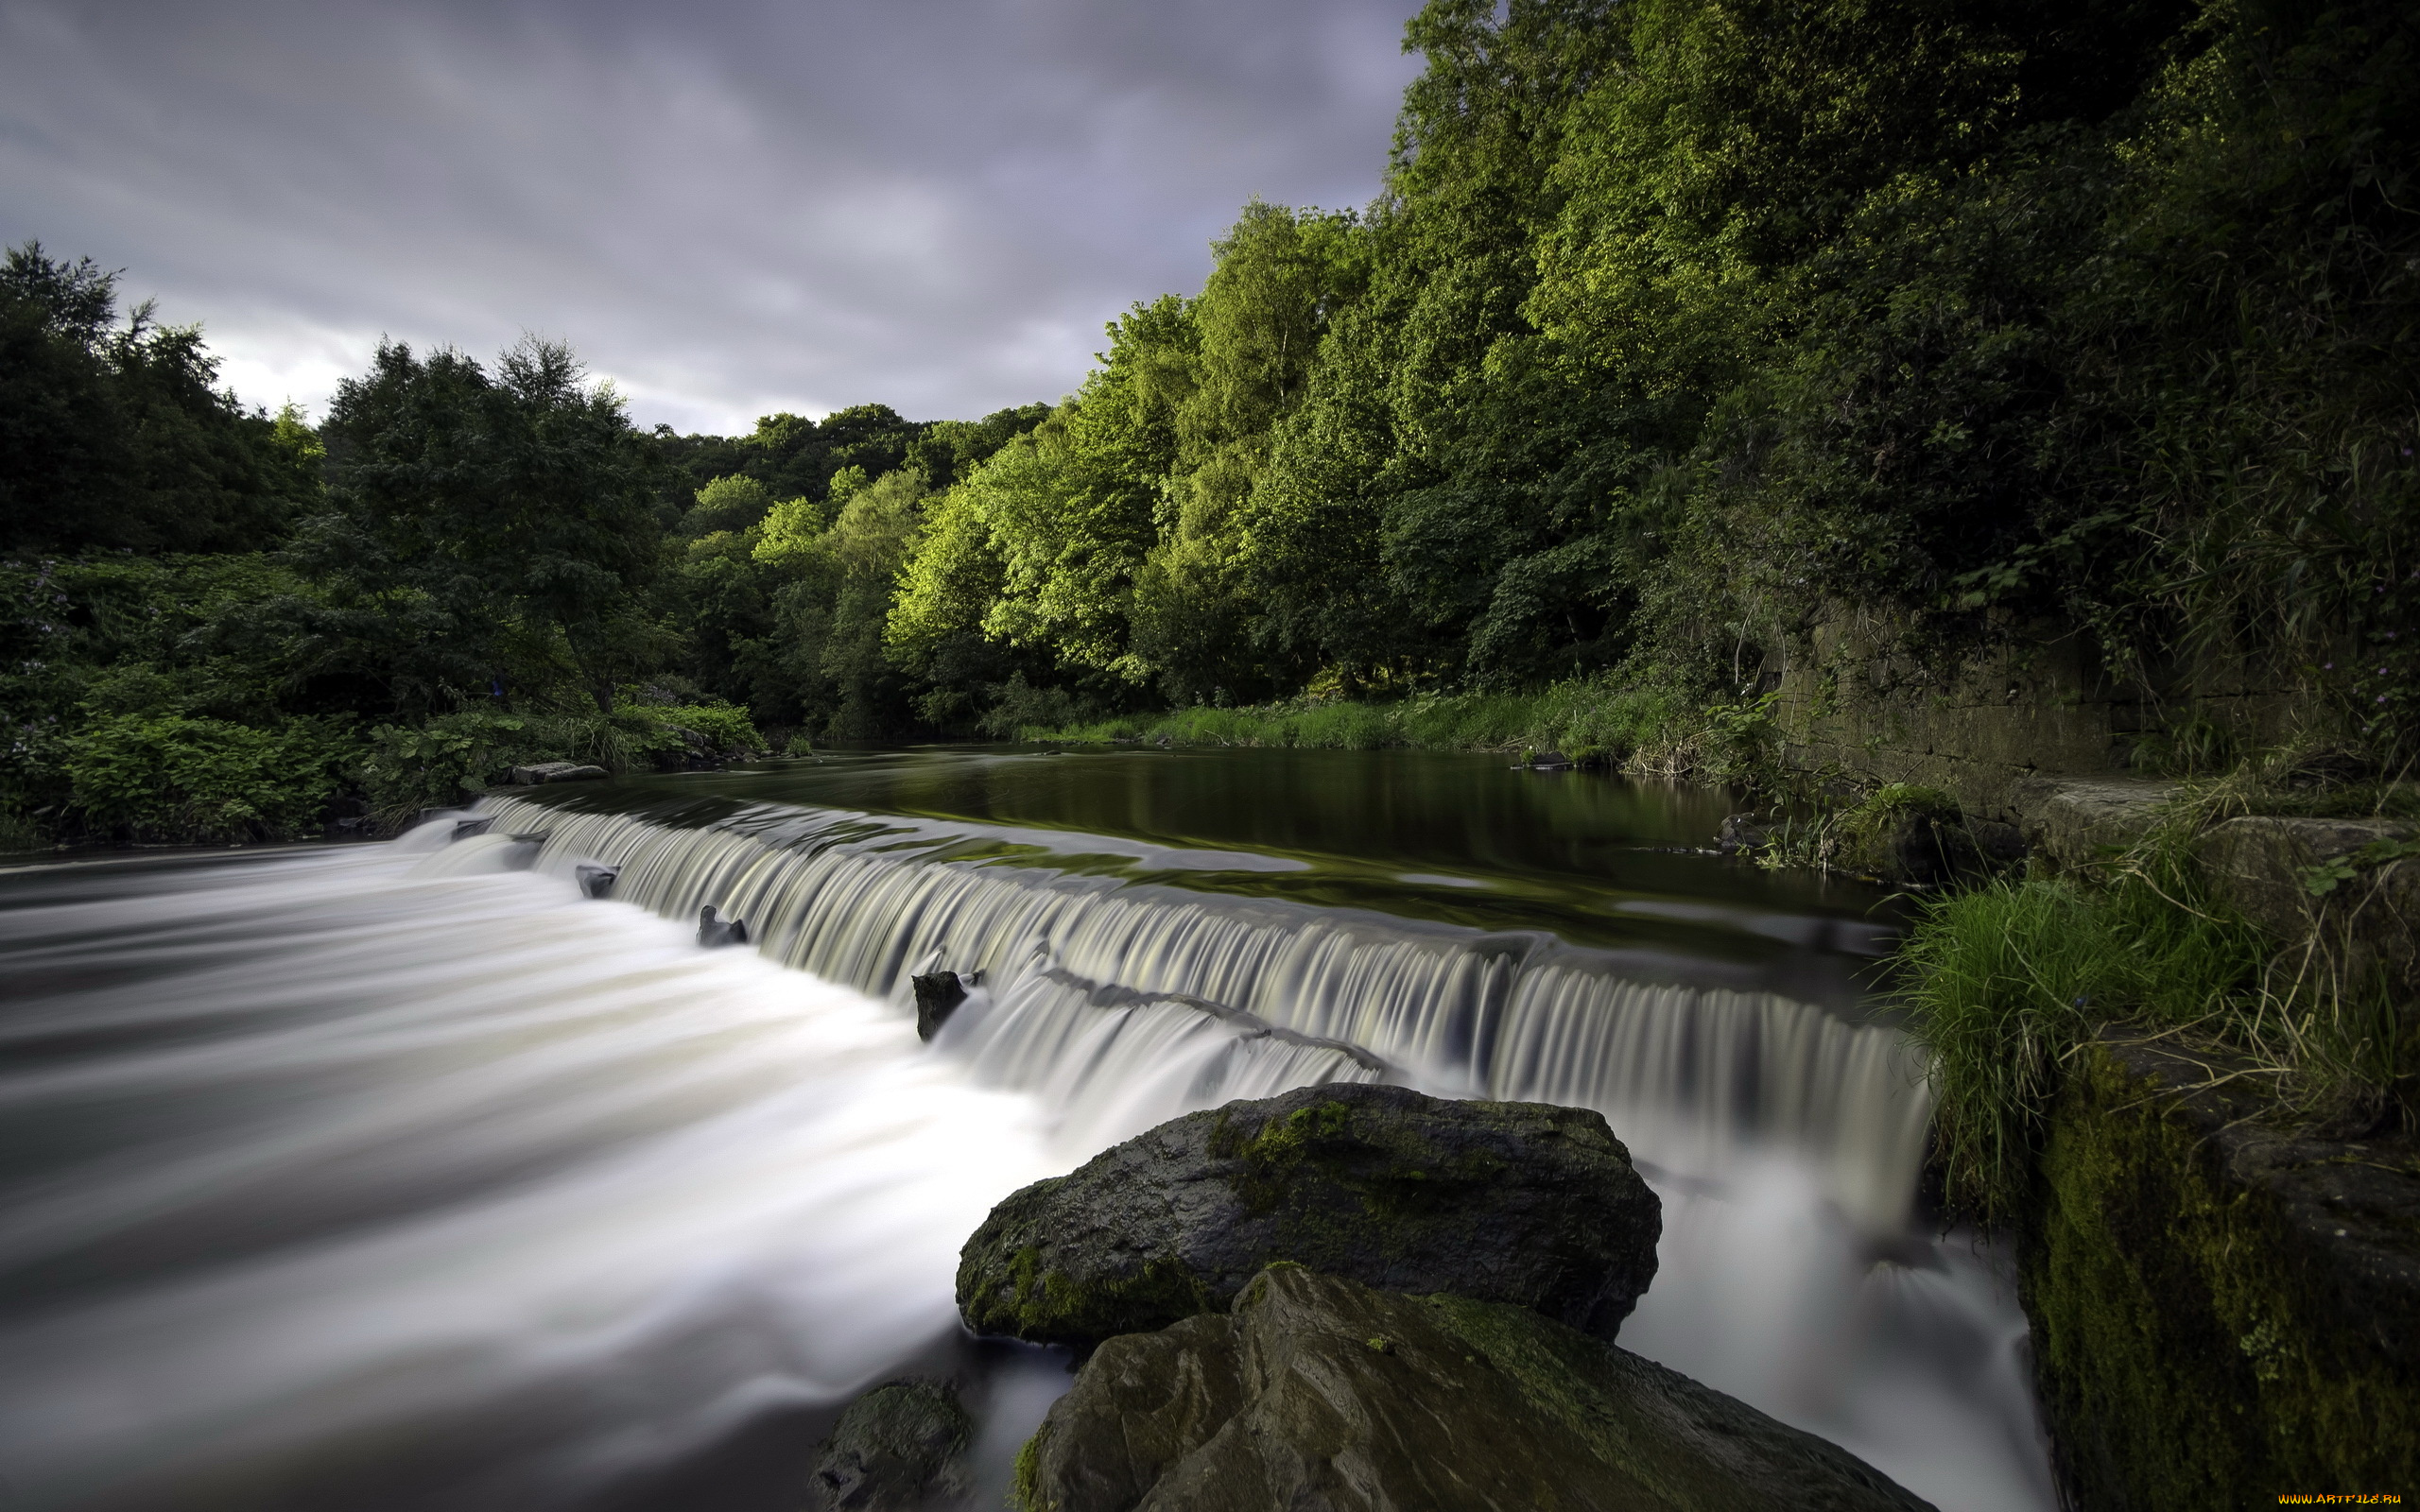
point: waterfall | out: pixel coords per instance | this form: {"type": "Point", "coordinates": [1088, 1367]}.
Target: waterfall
{"type": "Point", "coordinates": [1125, 988]}
{"type": "Point", "coordinates": [405, 1175]}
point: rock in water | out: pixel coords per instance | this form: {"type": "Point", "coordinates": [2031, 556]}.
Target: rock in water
{"type": "Point", "coordinates": [938, 995]}
{"type": "Point", "coordinates": [899, 1447]}
{"type": "Point", "coordinates": [557, 772]}
{"type": "Point", "coordinates": [1320, 1393]}
{"type": "Point", "coordinates": [1508, 1202]}
{"type": "Point", "coordinates": [713, 931]}
{"type": "Point", "coordinates": [595, 879]}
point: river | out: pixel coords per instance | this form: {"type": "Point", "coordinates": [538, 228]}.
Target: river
{"type": "Point", "coordinates": [405, 1175]}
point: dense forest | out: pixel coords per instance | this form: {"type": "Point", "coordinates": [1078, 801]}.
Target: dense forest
{"type": "Point", "coordinates": [1678, 328]}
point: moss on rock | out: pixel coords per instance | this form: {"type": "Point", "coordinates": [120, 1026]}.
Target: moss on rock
{"type": "Point", "coordinates": [2221, 1313]}
{"type": "Point", "coordinates": [1515, 1202]}
{"type": "Point", "coordinates": [1319, 1392]}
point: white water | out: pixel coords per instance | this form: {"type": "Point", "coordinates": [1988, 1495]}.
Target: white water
{"type": "Point", "coordinates": [400, 1176]}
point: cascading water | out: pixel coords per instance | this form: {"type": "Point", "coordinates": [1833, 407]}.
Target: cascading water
{"type": "Point", "coordinates": [404, 1176]}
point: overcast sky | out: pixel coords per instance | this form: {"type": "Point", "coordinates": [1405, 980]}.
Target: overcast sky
{"type": "Point", "coordinates": [729, 208]}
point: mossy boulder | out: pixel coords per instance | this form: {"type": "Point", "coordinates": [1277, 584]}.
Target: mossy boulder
{"type": "Point", "coordinates": [899, 1447]}
{"type": "Point", "coordinates": [1317, 1392]}
{"type": "Point", "coordinates": [1910, 834]}
{"type": "Point", "coordinates": [1510, 1202]}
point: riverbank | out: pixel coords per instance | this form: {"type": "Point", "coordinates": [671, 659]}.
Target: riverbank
{"type": "Point", "coordinates": [1649, 731]}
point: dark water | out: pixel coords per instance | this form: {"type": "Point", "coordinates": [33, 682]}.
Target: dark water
{"type": "Point", "coordinates": [402, 1176]}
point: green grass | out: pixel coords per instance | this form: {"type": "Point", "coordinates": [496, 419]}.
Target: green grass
{"type": "Point", "coordinates": [2004, 982]}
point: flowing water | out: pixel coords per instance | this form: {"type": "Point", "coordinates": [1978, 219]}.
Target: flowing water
{"type": "Point", "coordinates": [405, 1176]}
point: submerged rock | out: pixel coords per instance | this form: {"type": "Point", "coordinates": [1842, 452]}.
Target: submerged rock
{"type": "Point", "coordinates": [1743, 832]}
{"type": "Point", "coordinates": [1512, 1202]}
{"type": "Point", "coordinates": [713, 931]}
{"type": "Point", "coordinates": [557, 772]}
{"type": "Point", "coordinates": [899, 1447]}
{"type": "Point", "coordinates": [1317, 1392]}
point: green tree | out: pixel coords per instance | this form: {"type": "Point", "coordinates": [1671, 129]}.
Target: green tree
{"type": "Point", "coordinates": [112, 435]}
{"type": "Point", "coordinates": [490, 527]}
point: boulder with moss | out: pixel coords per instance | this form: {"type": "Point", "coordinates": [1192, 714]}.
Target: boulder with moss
{"type": "Point", "coordinates": [1317, 1392]}
{"type": "Point", "coordinates": [899, 1447]}
{"type": "Point", "coordinates": [1520, 1203]}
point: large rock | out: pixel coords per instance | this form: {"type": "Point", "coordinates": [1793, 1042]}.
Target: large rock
{"type": "Point", "coordinates": [899, 1447]}
{"type": "Point", "coordinates": [2223, 1310]}
{"type": "Point", "coordinates": [2070, 823]}
{"type": "Point", "coordinates": [2284, 875]}
{"type": "Point", "coordinates": [1510, 1202]}
{"type": "Point", "coordinates": [1318, 1393]}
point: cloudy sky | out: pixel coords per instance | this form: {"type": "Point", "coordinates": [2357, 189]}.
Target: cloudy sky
{"type": "Point", "coordinates": [729, 207]}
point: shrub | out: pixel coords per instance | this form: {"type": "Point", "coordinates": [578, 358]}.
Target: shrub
{"type": "Point", "coordinates": [725, 727]}
{"type": "Point", "coordinates": [180, 779]}
{"type": "Point", "coordinates": [432, 765]}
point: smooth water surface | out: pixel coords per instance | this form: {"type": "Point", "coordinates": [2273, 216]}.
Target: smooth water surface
{"type": "Point", "coordinates": [404, 1176]}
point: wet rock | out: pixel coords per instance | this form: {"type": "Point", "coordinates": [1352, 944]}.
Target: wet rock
{"type": "Point", "coordinates": [1743, 832]}
{"type": "Point", "coordinates": [899, 1447]}
{"type": "Point", "coordinates": [595, 879]}
{"type": "Point", "coordinates": [1513, 1202]}
{"type": "Point", "coordinates": [938, 995]}
{"type": "Point", "coordinates": [557, 772]}
{"type": "Point", "coordinates": [464, 829]}
{"type": "Point", "coordinates": [713, 931]}
{"type": "Point", "coordinates": [2003, 844]}
{"type": "Point", "coordinates": [1318, 1392]}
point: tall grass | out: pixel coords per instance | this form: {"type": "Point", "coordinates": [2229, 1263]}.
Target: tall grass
{"type": "Point", "coordinates": [2006, 981]}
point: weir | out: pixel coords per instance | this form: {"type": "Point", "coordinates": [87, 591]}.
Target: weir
{"type": "Point", "coordinates": [1108, 995]}
{"type": "Point", "coordinates": [403, 1176]}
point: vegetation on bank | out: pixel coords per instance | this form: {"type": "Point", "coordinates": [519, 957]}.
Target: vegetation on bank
{"type": "Point", "coordinates": [2007, 981]}
{"type": "Point", "coordinates": [1595, 722]}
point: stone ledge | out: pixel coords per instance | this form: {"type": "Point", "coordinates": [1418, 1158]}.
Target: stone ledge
{"type": "Point", "coordinates": [2222, 1310]}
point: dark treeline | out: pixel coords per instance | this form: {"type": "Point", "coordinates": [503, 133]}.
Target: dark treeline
{"type": "Point", "coordinates": [1679, 329]}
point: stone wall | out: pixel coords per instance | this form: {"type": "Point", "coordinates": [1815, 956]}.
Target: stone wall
{"type": "Point", "coordinates": [2221, 1313]}
{"type": "Point", "coordinates": [2020, 711]}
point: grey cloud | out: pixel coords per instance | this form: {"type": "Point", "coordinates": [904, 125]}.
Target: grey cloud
{"type": "Point", "coordinates": [729, 209]}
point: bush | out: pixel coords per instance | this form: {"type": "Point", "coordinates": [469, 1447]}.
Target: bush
{"type": "Point", "coordinates": [437, 764]}
{"type": "Point", "coordinates": [178, 779]}
{"type": "Point", "coordinates": [724, 729]}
